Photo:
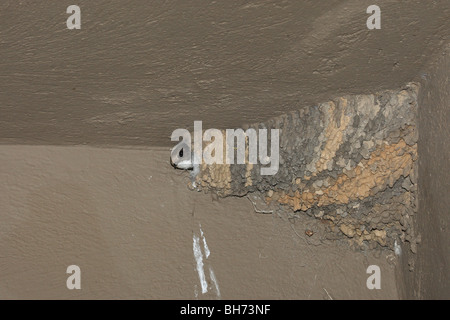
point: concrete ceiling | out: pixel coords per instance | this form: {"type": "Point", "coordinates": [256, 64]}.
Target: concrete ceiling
{"type": "Point", "coordinates": [136, 72]}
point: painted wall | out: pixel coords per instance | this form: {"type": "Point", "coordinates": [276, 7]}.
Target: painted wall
{"type": "Point", "coordinates": [427, 274]}
{"type": "Point", "coordinates": [129, 221]}
{"type": "Point", "coordinates": [133, 73]}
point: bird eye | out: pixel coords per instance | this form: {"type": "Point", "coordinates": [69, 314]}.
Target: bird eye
{"type": "Point", "coordinates": [181, 153]}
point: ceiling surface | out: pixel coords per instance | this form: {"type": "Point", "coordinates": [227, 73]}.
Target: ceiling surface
{"type": "Point", "coordinates": [137, 70]}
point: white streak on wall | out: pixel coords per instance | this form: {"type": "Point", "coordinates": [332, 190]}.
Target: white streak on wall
{"type": "Point", "coordinates": [199, 259]}
{"type": "Point", "coordinates": [198, 255]}
{"type": "Point", "coordinates": [207, 252]}
{"type": "Point", "coordinates": [213, 278]}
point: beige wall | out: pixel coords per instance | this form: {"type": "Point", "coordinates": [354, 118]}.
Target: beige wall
{"type": "Point", "coordinates": [430, 268]}
{"type": "Point", "coordinates": [127, 219]}
{"type": "Point", "coordinates": [133, 73]}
